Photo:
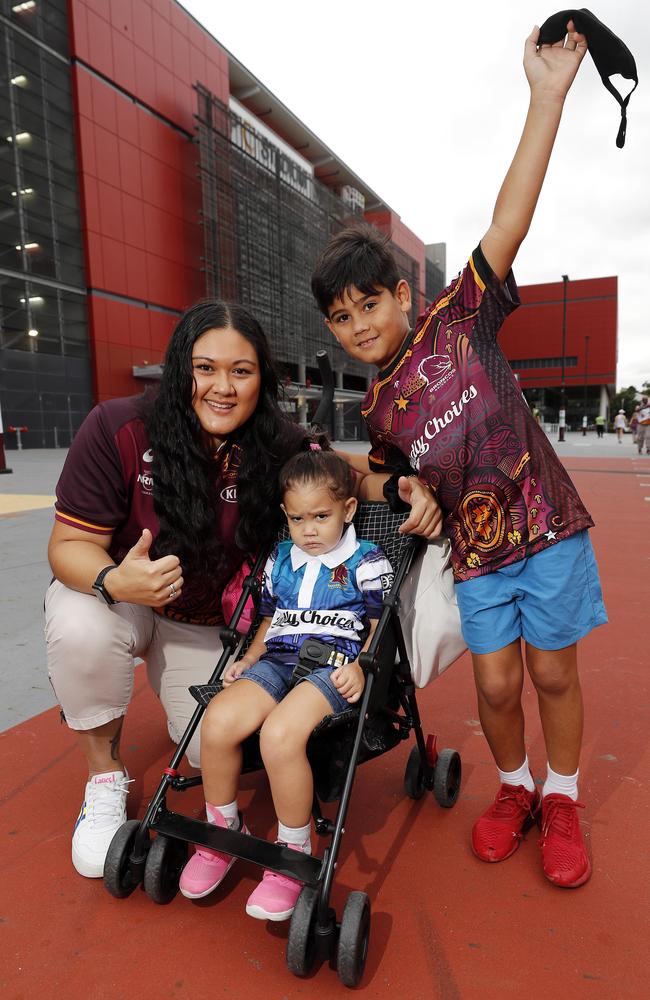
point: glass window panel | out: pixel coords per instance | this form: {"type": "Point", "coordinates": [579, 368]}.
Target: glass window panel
{"type": "Point", "coordinates": [45, 19]}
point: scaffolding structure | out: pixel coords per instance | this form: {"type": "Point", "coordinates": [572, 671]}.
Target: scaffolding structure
{"type": "Point", "coordinates": [265, 219]}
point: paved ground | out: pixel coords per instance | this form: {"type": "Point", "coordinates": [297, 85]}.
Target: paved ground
{"type": "Point", "coordinates": [445, 926]}
{"type": "Point", "coordinates": [26, 498]}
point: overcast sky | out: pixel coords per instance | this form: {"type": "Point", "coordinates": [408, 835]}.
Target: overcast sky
{"type": "Point", "coordinates": [426, 101]}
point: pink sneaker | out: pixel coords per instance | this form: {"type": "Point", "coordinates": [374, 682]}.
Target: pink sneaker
{"type": "Point", "coordinates": [276, 895]}
{"type": "Point", "coordinates": [207, 869]}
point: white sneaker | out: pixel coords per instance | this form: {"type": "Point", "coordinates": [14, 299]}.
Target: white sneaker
{"type": "Point", "coordinates": [101, 815]}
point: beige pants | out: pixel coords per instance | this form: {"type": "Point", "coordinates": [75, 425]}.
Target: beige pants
{"type": "Point", "coordinates": [90, 658]}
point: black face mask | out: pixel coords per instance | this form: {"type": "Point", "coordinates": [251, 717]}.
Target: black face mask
{"type": "Point", "coordinates": [609, 53]}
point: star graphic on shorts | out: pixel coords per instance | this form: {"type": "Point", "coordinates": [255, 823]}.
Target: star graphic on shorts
{"type": "Point", "coordinates": [551, 535]}
{"type": "Point", "coordinates": [401, 402]}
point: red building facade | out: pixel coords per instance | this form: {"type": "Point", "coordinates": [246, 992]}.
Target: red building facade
{"type": "Point", "coordinates": [102, 193]}
{"type": "Point", "coordinates": [583, 330]}
{"type": "Point", "coordinates": [135, 64]}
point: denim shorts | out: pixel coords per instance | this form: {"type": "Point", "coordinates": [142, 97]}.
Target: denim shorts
{"type": "Point", "coordinates": [550, 599]}
{"type": "Point", "coordinates": [275, 677]}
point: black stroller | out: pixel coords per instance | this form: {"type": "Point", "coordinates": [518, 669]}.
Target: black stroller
{"type": "Point", "coordinates": [385, 715]}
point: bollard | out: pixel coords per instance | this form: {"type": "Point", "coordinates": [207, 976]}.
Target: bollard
{"type": "Point", "coordinates": [3, 465]}
{"type": "Point", "coordinates": [18, 431]}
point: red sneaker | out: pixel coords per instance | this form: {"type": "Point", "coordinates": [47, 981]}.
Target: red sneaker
{"type": "Point", "coordinates": [497, 833]}
{"type": "Point", "coordinates": [564, 854]}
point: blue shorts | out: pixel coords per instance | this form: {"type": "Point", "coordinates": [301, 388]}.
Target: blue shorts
{"type": "Point", "coordinates": [550, 599]}
{"type": "Point", "coordinates": [275, 677]}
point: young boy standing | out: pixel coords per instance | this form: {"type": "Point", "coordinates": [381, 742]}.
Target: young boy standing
{"type": "Point", "coordinates": [446, 407]}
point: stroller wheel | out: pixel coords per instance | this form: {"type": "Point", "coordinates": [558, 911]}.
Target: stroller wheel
{"type": "Point", "coordinates": [446, 778]}
{"type": "Point", "coordinates": [118, 877]}
{"type": "Point", "coordinates": [414, 775]}
{"type": "Point", "coordinates": [353, 939]}
{"type": "Point", "coordinates": [301, 943]}
{"type": "Point", "coordinates": [165, 862]}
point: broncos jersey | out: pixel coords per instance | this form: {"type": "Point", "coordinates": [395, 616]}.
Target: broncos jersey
{"type": "Point", "coordinates": [329, 597]}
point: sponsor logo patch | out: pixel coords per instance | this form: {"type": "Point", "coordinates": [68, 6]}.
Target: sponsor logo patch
{"type": "Point", "coordinates": [340, 576]}
{"type": "Point", "coordinates": [146, 482]}
{"type": "Point", "coordinates": [435, 425]}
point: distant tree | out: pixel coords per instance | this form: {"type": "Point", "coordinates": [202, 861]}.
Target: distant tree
{"type": "Point", "coordinates": [624, 400]}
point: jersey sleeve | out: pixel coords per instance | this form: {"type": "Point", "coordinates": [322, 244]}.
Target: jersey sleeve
{"type": "Point", "coordinates": [385, 457]}
{"type": "Point", "coordinates": [477, 296]}
{"type": "Point", "coordinates": [374, 579]}
{"type": "Point", "coordinates": [91, 493]}
{"type": "Point", "coordinates": [268, 599]}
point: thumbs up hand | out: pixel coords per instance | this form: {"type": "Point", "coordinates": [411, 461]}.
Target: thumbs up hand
{"type": "Point", "coordinates": [141, 580]}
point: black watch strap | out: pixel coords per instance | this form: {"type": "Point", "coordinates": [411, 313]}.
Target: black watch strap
{"type": "Point", "coordinates": [100, 588]}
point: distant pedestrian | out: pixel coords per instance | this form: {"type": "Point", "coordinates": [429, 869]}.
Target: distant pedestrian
{"type": "Point", "coordinates": [634, 423]}
{"type": "Point", "coordinates": [643, 430]}
{"type": "Point", "coordinates": [600, 425]}
{"type": "Point", "coordinates": [620, 425]}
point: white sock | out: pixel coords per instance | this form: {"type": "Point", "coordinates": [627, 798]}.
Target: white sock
{"type": "Point", "coordinates": [561, 784]}
{"type": "Point", "coordinates": [230, 813]}
{"type": "Point", "coordinates": [521, 776]}
{"type": "Point", "coordinates": [298, 835]}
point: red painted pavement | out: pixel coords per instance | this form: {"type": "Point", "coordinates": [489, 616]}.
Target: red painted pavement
{"type": "Point", "coordinates": [444, 925]}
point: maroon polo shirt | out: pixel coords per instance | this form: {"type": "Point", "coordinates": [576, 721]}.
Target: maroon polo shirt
{"type": "Point", "coordinates": [106, 488]}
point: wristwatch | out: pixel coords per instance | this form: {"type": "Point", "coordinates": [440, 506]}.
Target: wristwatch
{"type": "Point", "coordinates": [99, 588]}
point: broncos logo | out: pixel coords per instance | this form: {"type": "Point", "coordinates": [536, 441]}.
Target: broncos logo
{"type": "Point", "coordinates": [434, 368]}
{"type": "Point", "coordinates": [339, 576]}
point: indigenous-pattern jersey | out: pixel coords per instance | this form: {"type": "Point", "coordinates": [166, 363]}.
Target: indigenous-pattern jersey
{"type": "Point", "coordinates": [106, 488]}
{"type": "Point", "coordinates": [450, 407]}
{"type": "Point", "coordinates": [328, 597]}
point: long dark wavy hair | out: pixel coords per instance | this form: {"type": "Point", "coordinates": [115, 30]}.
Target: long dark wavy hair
{"type": "Point", "coordinates": [184, 469]}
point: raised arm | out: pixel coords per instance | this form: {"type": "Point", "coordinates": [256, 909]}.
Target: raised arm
{"type": "Point", "coordinates": [550, 71]}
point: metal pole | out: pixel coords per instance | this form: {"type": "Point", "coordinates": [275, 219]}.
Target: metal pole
{"type": "Point", "coordinates": [584, 400]}
{"type": "Point", "coordinates": [562, 416]}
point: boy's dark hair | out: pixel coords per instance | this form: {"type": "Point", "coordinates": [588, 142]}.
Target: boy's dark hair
{"type": "Point", "coordinates": [359, 256]}
{"type": "Point", "coordinates": [318, 468]}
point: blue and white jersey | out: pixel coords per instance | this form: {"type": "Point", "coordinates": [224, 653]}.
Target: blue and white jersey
{"type": "Point", "coordinates": [329, 597]}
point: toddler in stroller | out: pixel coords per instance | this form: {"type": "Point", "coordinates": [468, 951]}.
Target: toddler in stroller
{"type": "Point", "coordinates": [319, 679]}
{"type": "Point", "coordinates": [323, 584]}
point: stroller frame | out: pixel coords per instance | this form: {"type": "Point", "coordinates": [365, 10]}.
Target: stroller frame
{"type": "Point", "coordinates": [134, 859]}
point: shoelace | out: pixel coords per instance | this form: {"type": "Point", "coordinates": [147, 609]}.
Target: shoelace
{"type": "Point", "coordinates": [560, 814]}
{"type": "Point", "coordinates": [104, 802]}
{"type": "Point", "coordinates": [507, 802]}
